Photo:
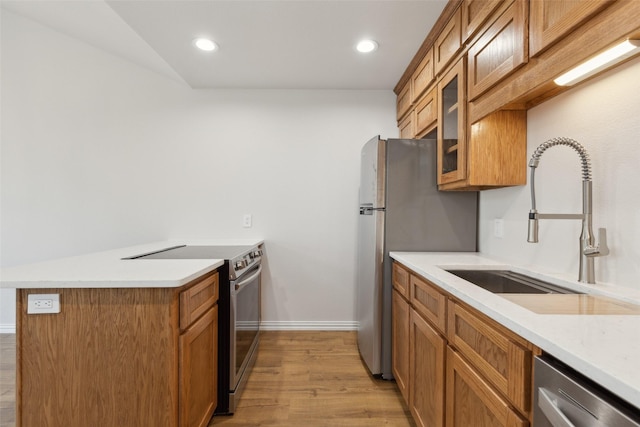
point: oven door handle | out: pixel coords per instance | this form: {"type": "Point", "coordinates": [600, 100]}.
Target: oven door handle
{"type": "Point", "coordinates": [248, 279]}
{"type": "Point", "coordinates": [551, 410]}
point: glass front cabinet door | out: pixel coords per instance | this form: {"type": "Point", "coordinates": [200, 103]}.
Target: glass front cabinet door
{"type": "Point", "coordinates": [451, 125]}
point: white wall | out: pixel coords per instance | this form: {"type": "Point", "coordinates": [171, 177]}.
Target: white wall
{"type": "Point", "coordinates": [98, 153]}
{"type": "Point", "coordinates": [603, 116]}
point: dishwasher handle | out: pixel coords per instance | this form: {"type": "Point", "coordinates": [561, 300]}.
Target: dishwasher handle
{"type": "Point", "coordinates": [551, 410]}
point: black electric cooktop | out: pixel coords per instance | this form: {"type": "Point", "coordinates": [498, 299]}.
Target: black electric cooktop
{"type": "Point", "coordinates": [196, 252]}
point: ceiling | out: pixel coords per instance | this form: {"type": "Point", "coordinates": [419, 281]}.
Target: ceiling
{"type": "Point", "coordinates": [263, 44]}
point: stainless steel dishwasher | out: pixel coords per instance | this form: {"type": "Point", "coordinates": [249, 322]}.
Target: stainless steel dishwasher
{"type": "Point", "coordinates": [564, 398]}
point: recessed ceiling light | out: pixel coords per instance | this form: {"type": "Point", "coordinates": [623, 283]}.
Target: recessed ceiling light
{"type": "Point", "coordinates": [205, 44]}
{"type": "Point", "coordinates": [366, 46]}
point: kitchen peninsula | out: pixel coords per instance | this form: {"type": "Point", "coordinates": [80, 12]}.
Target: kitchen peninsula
{"type": "Point", "coordinates": [134, 341]}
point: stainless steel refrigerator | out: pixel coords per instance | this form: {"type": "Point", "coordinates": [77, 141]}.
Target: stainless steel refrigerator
{"type": "Point", "coordinates": [401, 209]}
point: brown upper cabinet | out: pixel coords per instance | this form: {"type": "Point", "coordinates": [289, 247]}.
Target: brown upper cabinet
{"type": "Point", "coordinates": [423, 76]}
{"type": "Point", "coordinates": [475, 13]}
{"type": "Point", "coordinates": [403, 101]}
{"type": "Point", "coordinates": [499, 59]}
{"type": "Point", "coordinates": [451, 125]}
{"type": "Point", "coordinates": [426, 113]}
{"type": "Point", "coordinates": [499, 51]}
{"type": "Point", "coordinates": [406, 127]}
{"type": "Point", "coordinates": [448, 42]}
{"type": "Point", "coordinates": [489, 154]}
{"type": "Point", "coordinates": [552, 19]}
{"type": "Point", "coordinates": [497, 152]}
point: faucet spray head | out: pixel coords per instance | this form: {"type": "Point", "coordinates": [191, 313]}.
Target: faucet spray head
{"type": "Point", "coordinates": [533, 227]}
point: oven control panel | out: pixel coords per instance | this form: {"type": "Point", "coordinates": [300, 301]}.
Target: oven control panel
{"type": "Point", "coordinates": [242, 263]}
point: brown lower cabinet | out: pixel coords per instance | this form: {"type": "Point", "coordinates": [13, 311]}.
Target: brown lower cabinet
{"type": "Point", "coordinates": [478, 373]}
{"type": "Point", "coordinates": [125, 357]}
{"type": "Point", "coordinates": [198, 371]}
{"type": "Point", "coordinates": [473, 402]}
{"type": "Point", "coordinates": [426, 361]}
{"type": "Point", "coordinates": [400, 342]}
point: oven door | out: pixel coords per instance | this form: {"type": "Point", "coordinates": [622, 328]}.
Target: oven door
{"type": "Point", "coordinates": [244, 326]}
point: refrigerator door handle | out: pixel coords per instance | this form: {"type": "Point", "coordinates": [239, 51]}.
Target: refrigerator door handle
{"type": "Point", "coordinates": [367, 210]}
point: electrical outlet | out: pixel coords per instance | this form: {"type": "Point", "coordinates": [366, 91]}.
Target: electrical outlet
{"type": "Point", "coordinates": [498, 228]}
{"type": "Point", "coordinates": [43, 303]}
{"type": "Point", "coordinates": [246, 221]}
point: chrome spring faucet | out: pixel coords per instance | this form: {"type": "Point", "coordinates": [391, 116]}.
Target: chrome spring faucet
{"type": "Point", "coordinates": [588, 249]}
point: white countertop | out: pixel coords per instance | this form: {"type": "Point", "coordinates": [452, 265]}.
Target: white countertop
{"type": "Point", "coordinates": [108, 269]}
{"type": "Point", "coordinates": [605, 348]}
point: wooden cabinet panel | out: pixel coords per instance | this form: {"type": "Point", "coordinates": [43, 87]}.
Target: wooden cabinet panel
{"type": "Point", "coordinates": [448, 42]}
{"type": "Point", "coordinates": [503, 362]}
{"type": "Point", "coordinates": [423, 76]}
{"type": "Point", "coordinates": [426, 112]}
{"type": "Point", "coordinates": [427, 357]}
{"type": "Point", "coordinates": [429, 302]}
{"type": "Point", "coordinates": [475, 13]}
{"type": "Point", "coordinates": [196, 300]}
{"type": "Point", "coordinates": [406, 127]}
{"type": "Point", "coordinates": [108, 359]}
{"type": "Point", "coordinates": [198, 371]}
{"type": "Point", "coordinates": [403, 101]}
{"type": "Point", "coordinates": [452, 102]}
{"type": "Point", "coordinates": [400, 279]}
{"type": "Point", "coordinates": [497, 150]}
{"type": "Point", "coordinates": [400, 343]}
{"type": "Point", "coordinates": [473, 402]}
{"type": "Point", "coordinates": [550, 20]}
{"type": "Point", "coordinates": [499, 51]}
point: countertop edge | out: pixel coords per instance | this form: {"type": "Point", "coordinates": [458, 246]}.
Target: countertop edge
{"type": "Point", "coordinates": [114, 284]}
{"type": "Point", "coordinates": [111, 269]}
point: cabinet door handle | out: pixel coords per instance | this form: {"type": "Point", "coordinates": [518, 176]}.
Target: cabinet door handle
{"type": "Point", "coordinates": [551, 410]}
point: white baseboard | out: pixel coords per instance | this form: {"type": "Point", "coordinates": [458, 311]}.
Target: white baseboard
{"type": "Point", "coordinates": [7, 328]}
{"type": "Point", "coordinates": [292, 325]}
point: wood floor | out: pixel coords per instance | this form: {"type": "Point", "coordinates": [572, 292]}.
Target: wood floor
{"type": "Point", "coordinates": [310, 379]}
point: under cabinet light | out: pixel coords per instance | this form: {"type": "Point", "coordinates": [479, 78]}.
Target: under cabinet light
{"type": "Point", "coordinates": [598, 63]}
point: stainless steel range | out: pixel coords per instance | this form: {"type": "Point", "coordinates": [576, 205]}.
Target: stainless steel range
{"type": "Point", "coordinates": [238, 312]}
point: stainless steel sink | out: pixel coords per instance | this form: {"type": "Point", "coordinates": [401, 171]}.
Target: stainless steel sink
{"type": "Point", "coordinates": [509, 282]}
